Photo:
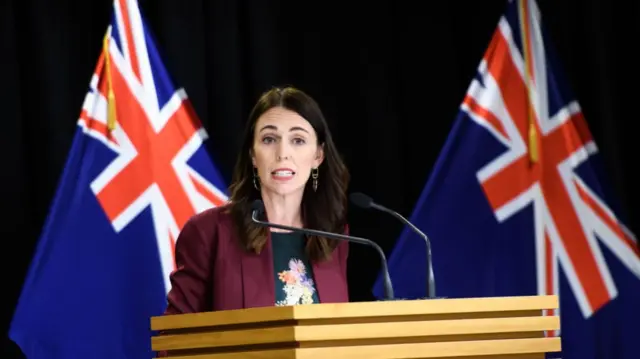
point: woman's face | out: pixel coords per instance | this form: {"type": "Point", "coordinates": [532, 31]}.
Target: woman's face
{"type": "Point", "coordinates": [285, 150]}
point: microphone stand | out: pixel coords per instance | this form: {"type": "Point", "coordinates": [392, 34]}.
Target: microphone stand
{"type": "Point", "coordinates": [431, 286]}
{"type": "Point", "coordinates": [388, 287]}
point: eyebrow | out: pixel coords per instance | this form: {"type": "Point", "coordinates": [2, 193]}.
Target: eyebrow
{"type": "Point", "coordinates": [272, 127]}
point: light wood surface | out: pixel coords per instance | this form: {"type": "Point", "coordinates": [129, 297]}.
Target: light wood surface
{"type": "Point", "coordinates": [511, 327]}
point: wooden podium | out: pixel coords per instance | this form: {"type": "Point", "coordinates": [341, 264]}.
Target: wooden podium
{"type": "Point", "coordinates": [475, 328]}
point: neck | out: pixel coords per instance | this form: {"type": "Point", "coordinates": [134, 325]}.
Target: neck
{"type": "Point", "coordinates": [284, 210]}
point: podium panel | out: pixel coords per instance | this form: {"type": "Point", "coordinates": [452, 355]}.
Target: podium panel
{"type": "Point", "coordinates": [470, 328]}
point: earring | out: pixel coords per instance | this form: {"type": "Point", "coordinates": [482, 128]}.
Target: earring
{"type": "Point", "coordinates": [314, 175]}
{"type": "Point", "coordinates": [256, 179]}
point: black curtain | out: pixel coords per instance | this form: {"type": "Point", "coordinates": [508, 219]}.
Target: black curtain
{"type": "Point", "coordinates": [389, 75]}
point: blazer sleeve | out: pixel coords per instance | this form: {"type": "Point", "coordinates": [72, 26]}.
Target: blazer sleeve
{"type": "Point", "coordinates": [190, 282]}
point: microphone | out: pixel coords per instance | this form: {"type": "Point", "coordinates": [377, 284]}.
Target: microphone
{"type": "Point", "coordinates": [258, 208]}
{"type": "Point", "coordinates": [364, 201]}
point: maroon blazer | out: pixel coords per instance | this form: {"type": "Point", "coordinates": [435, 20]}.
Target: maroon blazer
{"type": "Point", "coordinates": [213, 271]}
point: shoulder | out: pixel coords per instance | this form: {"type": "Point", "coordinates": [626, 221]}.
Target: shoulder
{"type": "Point", "coordinates": [207, 223]}
{"type": "Point", "coordinates": [211, 217]}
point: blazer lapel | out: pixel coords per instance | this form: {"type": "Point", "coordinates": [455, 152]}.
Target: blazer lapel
{"type": "Point", "coordinates": [257, 278]}
{"type": "Point", "coordinates": [326, 280]}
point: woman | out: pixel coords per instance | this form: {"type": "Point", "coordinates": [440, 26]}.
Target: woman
{"type": "Point", "coordinates": [289, 161]}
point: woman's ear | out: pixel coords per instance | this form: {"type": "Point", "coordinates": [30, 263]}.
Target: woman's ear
{"type": "Point", "coordinates": [253, 157]}
{"type": "Point", "coordinates": [319, 155]}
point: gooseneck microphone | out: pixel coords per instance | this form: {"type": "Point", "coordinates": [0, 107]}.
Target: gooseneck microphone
{"type": "Point", "coordinates": [364, 201]}
{"type": "Point", "coordinates": [258, 209]}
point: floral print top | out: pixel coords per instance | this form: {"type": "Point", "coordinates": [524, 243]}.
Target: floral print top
{"type": "Point", "coordinates": [293, 272]}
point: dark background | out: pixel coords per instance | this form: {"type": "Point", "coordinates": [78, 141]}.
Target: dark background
{"type": "Point", "coordinates": [389, 75]}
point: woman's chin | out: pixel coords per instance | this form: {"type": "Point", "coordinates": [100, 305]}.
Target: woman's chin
{"type": "Point", "coordinates": [284, 189]}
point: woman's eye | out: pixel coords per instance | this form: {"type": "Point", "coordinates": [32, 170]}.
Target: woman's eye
{"type": "Point", "coordinates": [268, 139]}
{"type": "Point", "coordinates": [298, 141]}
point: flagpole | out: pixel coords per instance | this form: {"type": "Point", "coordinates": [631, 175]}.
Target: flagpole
{"type": "Point", "coordinates": [526, 48]}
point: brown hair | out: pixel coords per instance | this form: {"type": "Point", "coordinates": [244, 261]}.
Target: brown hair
{"type": "Point", "coordinates": [323, 209]}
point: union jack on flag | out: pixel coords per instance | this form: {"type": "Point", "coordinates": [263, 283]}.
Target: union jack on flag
{"type": "Point", "coordinates": [518, 204]}
{"type": "Point", "coordinates": [137, 171]}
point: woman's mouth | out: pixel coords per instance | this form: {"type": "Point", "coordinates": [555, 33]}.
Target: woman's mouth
{"type": "Point", "coordinates": [282, 173]}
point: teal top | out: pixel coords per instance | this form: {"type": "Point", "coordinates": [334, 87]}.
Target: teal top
{"type": "Point", "coordinates": [292, 270]}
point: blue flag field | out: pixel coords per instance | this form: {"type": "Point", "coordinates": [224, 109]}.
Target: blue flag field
{"type": "Point", "coordinates": [136, 172]}
{"type": "Point", "coordinates": [518, 203]}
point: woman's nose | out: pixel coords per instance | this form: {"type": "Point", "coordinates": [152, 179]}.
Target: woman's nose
{"type": "Point", "coordinates": [283, 152]}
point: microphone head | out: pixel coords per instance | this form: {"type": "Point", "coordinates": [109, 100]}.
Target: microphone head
{"type": "Point", "coordinates": [257, 205]}
{"type": "Point", "coordinates": [361, 200]}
